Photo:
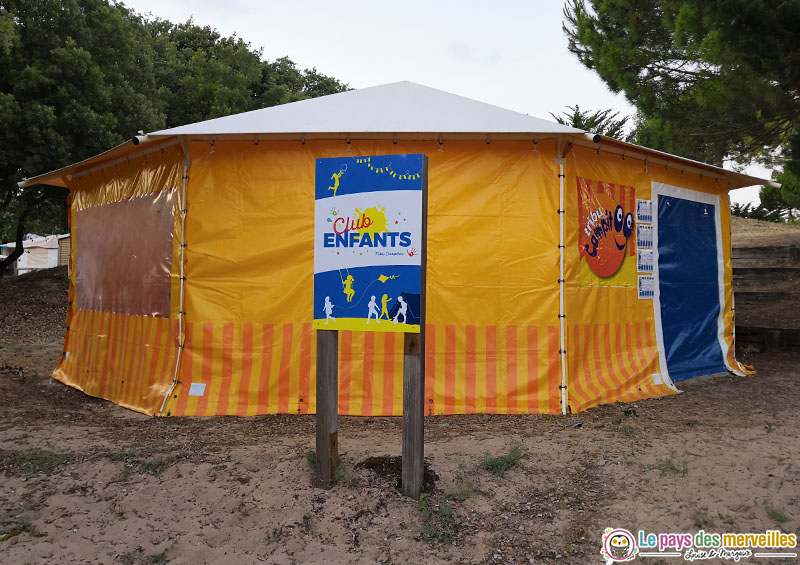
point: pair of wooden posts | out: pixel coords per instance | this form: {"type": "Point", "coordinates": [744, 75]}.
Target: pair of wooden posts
{"type": "Point", "coordinates": [327, 456]}
{"type": "Point", "coordinates": [413, 411]}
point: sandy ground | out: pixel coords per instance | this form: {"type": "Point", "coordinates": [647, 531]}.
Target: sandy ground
{"type": "Point", "coordinates": [85, 481]}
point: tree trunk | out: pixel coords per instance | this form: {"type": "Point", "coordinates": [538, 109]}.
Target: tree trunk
{"type": "Point", "coordinates": [18, 249]}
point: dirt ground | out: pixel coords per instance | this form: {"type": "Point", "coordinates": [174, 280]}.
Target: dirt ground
{"type": "Point", "coordinates": [85, 481]}
{"type": "Point", "coordinates": [746, 232]}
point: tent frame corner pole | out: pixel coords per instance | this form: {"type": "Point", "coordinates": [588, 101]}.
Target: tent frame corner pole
{"type": "Point", "coordinates": [560, 160]}
{"type": "Point", "coordinates": [187, 162]}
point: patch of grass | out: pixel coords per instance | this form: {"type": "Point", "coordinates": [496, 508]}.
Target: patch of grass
{"type": "Point", "coordinates": [344, 475]}
{"type": "Point", "coordinates": [154, 467]}
{"type": "Point", "coordinates": [15, 531]}
{"type": "Point", "coordinates": [439, 521]}
{"type": "Point", "coordinates": [770, 428]}
{"type": "Point", "coordinates": [46, 462]}
{"type": "Point", "coordinates": [701, 520]}
{"type": "Point", "coordinates": [445, 510]}
{"type": "Point", "coordinates": [467, 491]}
{"type": "Point", "coordinates": [775, 514]}
{"type": "Point", "coordinates": [275, 536]}
{"type": "Point", "coordinates": [137, 557]}
{"type": "Point", "coordinates": [499, 465]}
{"type": "Point", "coordinates": [125, 454]}
{"type": "Point", "coordinates": [311, 458]}
{"type": "Point", "coordinates": [123, 476]}
{"type": "Point", "coordinates": [35, 462]}
{"type": "Point", "coordinates": [670, 467]}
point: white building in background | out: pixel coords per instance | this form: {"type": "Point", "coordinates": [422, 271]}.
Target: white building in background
{"type": "Point", "coordinates": [40, 253]}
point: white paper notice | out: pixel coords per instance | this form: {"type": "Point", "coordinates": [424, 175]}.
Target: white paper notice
{"type": "Point", "coordinates": [644, 211]}
{"type": "Point", "coordinates": [644, 260]}
{"type": "Point", "coordinates": [646, 287]}
{"type": "Point", "coordinates": [644, 235]}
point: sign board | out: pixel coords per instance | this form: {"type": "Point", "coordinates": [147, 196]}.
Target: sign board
{"type": "Point", "coordinates": [368, 243]}
{"type": "Point", "coordinates": [606, 225]}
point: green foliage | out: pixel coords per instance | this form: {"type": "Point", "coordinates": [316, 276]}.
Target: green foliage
{"type": "Point", "coordinates": [669, 467]}
{"type": "Point", "coordinates": [15, 530]}
{"type": "Point", "coordinates": [711, 80]}
{"type": "Point", "coordinates": [344, 475]}
{"type": "Point", "coordinates": [775, 514]}
{"type": "Point", "coordinates": [35, 462]}
{"type": "Point", "coordinates": [440, 523]}
{"type": "Point", "coordinates": [80, 76]}
{"type": "Point", "coordinates": [499, 465]}
{"type": "Point", "coordinates": [759, 212]}
{"type": "Point", "coordinates": [786, 198]}
{"type": "Point", "coordinates": [604, 122]}
{"type": "Point", "coordinates": [467, 491]}
{"type": "Point", "coordinates": [154, 467]}
{"type": "Point", "coordinates": [701, 520]}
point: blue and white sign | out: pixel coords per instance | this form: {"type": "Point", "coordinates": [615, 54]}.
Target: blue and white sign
{"type": "Point", "coordinates": [368, 243]}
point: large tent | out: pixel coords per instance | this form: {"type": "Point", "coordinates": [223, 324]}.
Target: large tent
{"type": "Point", "coordinates": [564, 269]}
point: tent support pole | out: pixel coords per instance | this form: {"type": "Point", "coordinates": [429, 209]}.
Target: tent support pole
{"type": "Point", "coordinates": [561, 161]}
{"type": "Point", "coordinates": [181, 314]}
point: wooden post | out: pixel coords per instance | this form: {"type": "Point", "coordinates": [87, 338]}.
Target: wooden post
{"type": "Point", "coordinates": [327, 457]}
{"type": "Point", "coordinates": [413, 471]}
{"type": "Point", "coordinates": [413, 418]}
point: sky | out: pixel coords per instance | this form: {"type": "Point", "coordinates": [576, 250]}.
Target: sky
{"type": "Point", "coordinates": [511, 53]}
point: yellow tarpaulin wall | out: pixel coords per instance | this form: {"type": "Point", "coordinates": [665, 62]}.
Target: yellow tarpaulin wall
{"type": "Point", "coordinates": [493, 334]}
{"type": "Point", "coordinates": [128, 359]}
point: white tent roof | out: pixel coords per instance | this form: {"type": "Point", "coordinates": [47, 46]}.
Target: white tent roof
{"type": "Point", "coordinates": [46, 242]}
{"type": "Point", "coordinates": [400, 110]}
{"type": "Point", "coordinates": [399, 107]}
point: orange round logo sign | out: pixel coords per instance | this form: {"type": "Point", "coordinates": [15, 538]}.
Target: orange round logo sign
{"type": "Point", "coordinates": [605, 231]}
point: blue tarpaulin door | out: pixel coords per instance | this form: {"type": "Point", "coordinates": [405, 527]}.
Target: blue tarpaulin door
{"type": "Point", "coordinates": [689, 287]}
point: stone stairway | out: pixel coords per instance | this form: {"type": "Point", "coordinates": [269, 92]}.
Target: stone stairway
{"type": "Point", "coordinates": [766, 285]}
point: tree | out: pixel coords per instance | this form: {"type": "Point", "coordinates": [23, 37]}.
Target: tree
{"type": "Point", "coordinates": [759, 212]}
{"type": "Point", "coordinates": [68, 68]}
{"type": "Point", "coordinates": [603, 122]}
{"type": "Point", "coordinates": [785, 200]}
{"type": "Point", "coordinates": [80, 76]}
{"type": "Point", "coordinates": [711, 79]}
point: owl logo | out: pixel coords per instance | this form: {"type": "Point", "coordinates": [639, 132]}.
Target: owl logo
{"type": "Point", "coordinates": [618, 545]}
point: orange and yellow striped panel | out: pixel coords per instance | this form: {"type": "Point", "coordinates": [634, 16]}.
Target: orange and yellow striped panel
{"type": "Point", "coordinates": [129, 360]}
{"type": "Point", "coordinates": [267, 369]}
{"type": "Point", "coordinates": [492, 369]}
{"type": "Point", "coordinates": [612, 362]}
{"type": "Point", "coordinates": [271, 369]}
{"type": "Point", "coordinates": [247, 369]}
